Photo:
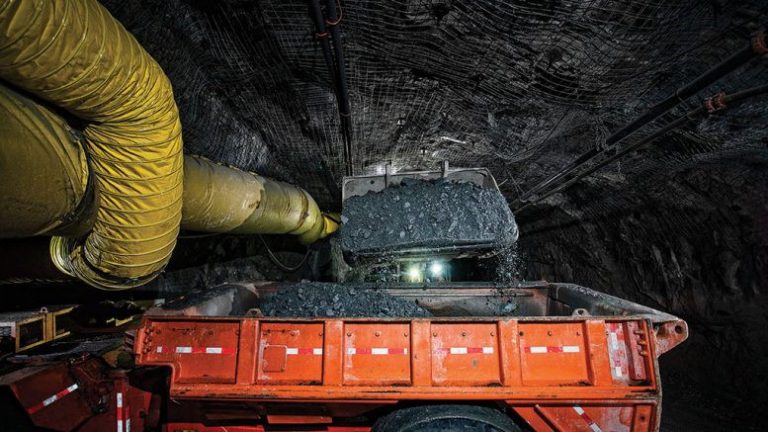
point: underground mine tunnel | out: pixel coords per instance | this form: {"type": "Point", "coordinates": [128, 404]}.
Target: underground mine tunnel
{"type": "Point", "coordinates": [388, 216]}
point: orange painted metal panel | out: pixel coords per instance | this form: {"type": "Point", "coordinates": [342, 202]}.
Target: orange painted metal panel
{"type": "Point", "coordinates": [465, 354]}
{"type": "Point", "coordinates": [290, 353]}
{"type": "Point", "coordinates": [199, 353]}
{"type": "Point", "coordinates": [378, 354]}
{"type": "Point", "coordinates": [532, 365]}
{"type": "Point", "coordinates": [599, 360]}
{"type": "Point", "coordinates": [553, 354]}
{"type": "Point", "coordinates": [421, 364]}
{"type": "Point", "coordinates": [577, 416]}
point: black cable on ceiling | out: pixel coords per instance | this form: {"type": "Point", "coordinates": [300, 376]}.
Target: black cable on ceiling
{"type": "Point", "coordinates": [757, 47]}
{"type": "Point", "coordinates": [715, 103]}
{"type": "Point", "coordinates": [329, 28]}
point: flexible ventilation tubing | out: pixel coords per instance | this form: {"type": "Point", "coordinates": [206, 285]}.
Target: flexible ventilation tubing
{"type": "Point", "coordinates": [75, 55]}
{"type": "Point", "coordinates": [44, 176]}
{"type": "Point", "coordinates": [43, 171]}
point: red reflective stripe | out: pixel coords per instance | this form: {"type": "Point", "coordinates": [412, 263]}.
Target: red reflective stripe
{"type": "Point", "coordinates": [376, 351]}
{"type": "Point", "coordinates": [465, 350]}
{"type": "Point", "coordinates": [200, 350]}
{"type": "Point", "coordinates": [552, 349]}
{"type": "Point", "coordinates": [583, 414]}
{"type": "Point", "coordinates": [617, 350]}
{"type": "Point", "coordinates": [51, 399]}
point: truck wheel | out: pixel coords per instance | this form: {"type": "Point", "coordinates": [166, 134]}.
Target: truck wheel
{"type": "Point", "coordinates": [446, 418]}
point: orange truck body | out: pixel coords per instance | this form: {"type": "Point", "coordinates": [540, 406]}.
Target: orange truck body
{"type": "Point", "coordinates": [568, 368]}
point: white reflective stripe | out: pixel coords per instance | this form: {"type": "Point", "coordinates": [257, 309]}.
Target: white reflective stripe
{"type": "Point", "coordinates": [119, 426]}
{"type": "Point", "coordinates": [119, 400]}
{"type": "Point", "coordinates": [578, 410]}
{"type": "Point", "coordinates": [159, 349]}
{"type": "Point", "coordinates": [317, 351]}
{"type": "Point", "coordinates": [487, 350]}
{"type": "Point", "coordinates": [595, 427]}
{"type": "Point", "coordinates": [59, 395]}
{"type": "Point", "coordinates": [351, 351]}
{"type": "Point", "coordinates": [183, 350]}
{"type": "Point", "coordinates": [458, 350]}
{"type": "Point", "coordinates": [50, 400]}
{"type": "Point", "coordinates": [571, 349]}
{"type": "Point", "coordinates": [127, 425]}
{"type": "Point", "coordinates": [614, 339]}
{"type": "Point", "coordinates": [538, 349]}
{"type": "Point", "coordinates": [213, 350]}
{"type": "Point", "coordinates": [617, 371]}
{"type": "Point", "coordinates": [292, 351]}
{"type": "Point", "coordinates": [379, 351]}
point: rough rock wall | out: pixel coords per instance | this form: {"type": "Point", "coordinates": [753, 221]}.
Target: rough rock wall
{"type": "Point", "coordinates": [700, 253]}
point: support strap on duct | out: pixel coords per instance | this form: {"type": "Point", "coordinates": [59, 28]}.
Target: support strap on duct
{"type": "Point", "coordinates": [75, 55]}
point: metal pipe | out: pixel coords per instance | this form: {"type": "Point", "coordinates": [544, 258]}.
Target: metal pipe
{"type": "Point", "coordinates": [722, 100]}
{"type": "Point", "coordinates": [756, 48]}
{"type": "Point", "coordinates": [734, 61]}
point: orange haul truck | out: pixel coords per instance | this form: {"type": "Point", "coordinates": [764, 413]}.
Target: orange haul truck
{"type": "Point", "coordinates": [569, 359]}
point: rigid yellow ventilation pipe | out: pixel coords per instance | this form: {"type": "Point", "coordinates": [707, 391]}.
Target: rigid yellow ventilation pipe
{"type": "Point", "coordinates": [75, 55]}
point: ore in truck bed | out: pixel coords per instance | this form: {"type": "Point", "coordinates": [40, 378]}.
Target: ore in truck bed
{"type": "Point", "coordinates": [315, 299]}
{"type": "Point", "coordinates": [421, 213]}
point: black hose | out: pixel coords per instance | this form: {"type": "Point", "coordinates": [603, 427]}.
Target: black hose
{"type": "Point", "coordinates": [336, 70]}
{"type": "Point", "coordinates": [322, 35]}
{"type": "Point", "coordinates": [723, 68]}
{"type": "Point", "coordinates": [727, 100]}
{"type": "Point", "coordinates": [737, 59]}
{"type": "Point", "coordinates": [276, 261]}
{"type": "Point", "coordinates": [334, 22]}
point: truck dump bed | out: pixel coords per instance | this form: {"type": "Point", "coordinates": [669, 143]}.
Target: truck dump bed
{"type": "Point", "coordinates": [571, 359]}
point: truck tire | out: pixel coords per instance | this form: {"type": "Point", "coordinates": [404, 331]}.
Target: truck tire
{"type": "Point", "coordinates": [446, 418]}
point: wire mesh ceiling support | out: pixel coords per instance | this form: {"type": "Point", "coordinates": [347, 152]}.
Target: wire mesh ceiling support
{"type": "Point", "coordinates": [562, 179]}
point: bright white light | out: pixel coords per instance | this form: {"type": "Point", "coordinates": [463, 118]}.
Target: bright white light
{"type": "Point", "coordinates": [436, 269]}
{"type": "Point", "coordinates": [414, 273]}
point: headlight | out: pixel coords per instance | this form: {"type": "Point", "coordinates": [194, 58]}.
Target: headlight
{"type": "Point", "coordinates": [436, 269]}
{"type": "Point", "coordinates": [414, 273]}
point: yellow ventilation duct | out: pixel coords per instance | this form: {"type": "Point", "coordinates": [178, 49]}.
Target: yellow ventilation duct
{"type": "Point", "coordinates": [43, 170]}
{"type": "Point", "coordinates": [75, 55]}
{"type": "Point", "coordinates": [44, 181]}
{"type": "Point", "coordinates": [219, 198]}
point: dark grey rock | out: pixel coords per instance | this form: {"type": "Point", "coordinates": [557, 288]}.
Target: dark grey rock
{"type": "Point", "coordinates": [316, 299]}
{"type": "Point", "coordinates": [443, 214]}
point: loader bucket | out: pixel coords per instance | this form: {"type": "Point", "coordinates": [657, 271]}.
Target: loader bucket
{"type": "Point", "coordinates": [466, 216]}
